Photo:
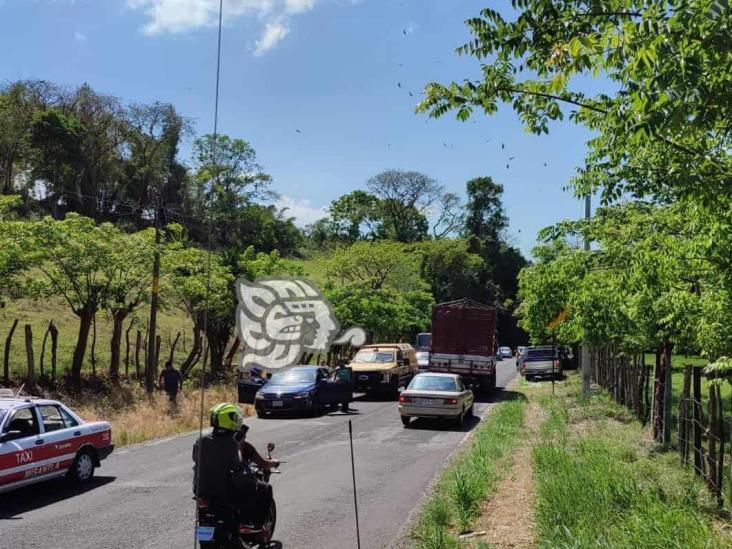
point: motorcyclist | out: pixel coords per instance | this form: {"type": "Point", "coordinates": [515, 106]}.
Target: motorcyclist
{"type": "Point", "coordinates": [221, 460]}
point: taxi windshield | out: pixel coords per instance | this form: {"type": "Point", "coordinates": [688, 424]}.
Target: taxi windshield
{"type": "Point", "coordinates": [378, 357]}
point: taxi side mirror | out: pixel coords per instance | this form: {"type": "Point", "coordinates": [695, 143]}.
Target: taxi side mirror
{"type": "Point", "coordinates": [5, 437]}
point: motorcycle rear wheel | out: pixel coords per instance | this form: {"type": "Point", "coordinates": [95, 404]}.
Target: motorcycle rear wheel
{"type": "Point", "coordinates": [271, 519]}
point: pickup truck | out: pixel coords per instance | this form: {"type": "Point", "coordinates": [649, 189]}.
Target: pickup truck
{"type": "Point", "coordinates": [383, 368]}
{"type": "Point", "coordinates": [541, 361]}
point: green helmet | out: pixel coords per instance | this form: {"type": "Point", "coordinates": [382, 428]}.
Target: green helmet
{"type": "Point", "coordinates": [226, 416]}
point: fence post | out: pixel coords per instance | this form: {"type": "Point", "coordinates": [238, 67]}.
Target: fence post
{"type": "Point", "coordinates": [54, 350]}
{"type": "Point", "coordinates": [712, 480]}
{"type": "Point", "coordinates": [698, 458]}
{"type": "Point", "coordinates": [31, 372]}
{"type": "Point", "coordinates": [684, 417]}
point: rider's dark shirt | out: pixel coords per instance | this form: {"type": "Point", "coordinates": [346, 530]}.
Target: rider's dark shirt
{"type": "Point", "coordinates": [219, 464]}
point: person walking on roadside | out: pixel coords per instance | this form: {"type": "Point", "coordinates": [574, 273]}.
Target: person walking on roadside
{"type": "Point", "coordinates": [171, 380]}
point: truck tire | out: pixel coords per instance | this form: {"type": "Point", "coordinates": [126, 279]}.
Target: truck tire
{"type": "Point", "coordinates": [394, 387]}
{"type": "Point", "coordinates": [487, 384]}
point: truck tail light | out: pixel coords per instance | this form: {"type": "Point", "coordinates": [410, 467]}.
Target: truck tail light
{"type": "Point", "coordinates": [403, 398]}
{"type": "Point", "coordinates": [450, 401]}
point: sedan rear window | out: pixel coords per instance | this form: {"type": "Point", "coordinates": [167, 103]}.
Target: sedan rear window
{"type": "Point", "coordinates": [433, 383]}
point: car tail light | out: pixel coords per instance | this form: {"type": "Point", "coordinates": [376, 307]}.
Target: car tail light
{"type": "Point", "coordinates": [557, 364]}
{"type": "Point", "coordinates": [450, 401]}
{"type": "Point", "coordinates": [404, 398]}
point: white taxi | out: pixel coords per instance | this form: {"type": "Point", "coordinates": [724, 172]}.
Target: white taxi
{"type": "Point", "coordinates": [43, 439]}
{"type": "Point", "coordinates": [435, 395]}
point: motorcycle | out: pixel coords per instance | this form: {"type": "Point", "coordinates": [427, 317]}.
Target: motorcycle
{"type": "Point", "coordinates": [221, 526]}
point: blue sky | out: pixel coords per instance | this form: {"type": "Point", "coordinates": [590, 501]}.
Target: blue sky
{"type": "Point", "coordinates": [329, 68]}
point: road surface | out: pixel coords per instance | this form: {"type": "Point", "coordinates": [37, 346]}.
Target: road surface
{"type": "Point", "coordinates": [141, 496]}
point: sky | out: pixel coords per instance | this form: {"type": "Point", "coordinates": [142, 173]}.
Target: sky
{"type": "Point", "coordinates": [320, 88]}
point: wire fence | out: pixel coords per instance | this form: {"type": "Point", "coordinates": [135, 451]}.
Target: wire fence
{"type": "Point", "coordinates": [702, 434]}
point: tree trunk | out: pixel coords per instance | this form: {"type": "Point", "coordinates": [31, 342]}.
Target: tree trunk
{"type": "Point", "coordinates": [195, 354]}
{"type": "Point", "coordinates": [138, 344]}
{"type": "Point", "coordinates": [231, 354]}
{"type": "Point", "coordinates": [43, 349]}
{"type": "Point", "coordinates": [173, 345]}
{"type": "Point", "coordinates": [85, 324]}
{"type": "Point", "coordinates": [54, 350]}
{"type": "Point", "coordinates": [6, 357]}
{"type": "Point", "coordinates": [118, 319]}
{"type": "Point", "coordinates": [31, 371]}
{"type": "Point", "coordinates": [127, 349]}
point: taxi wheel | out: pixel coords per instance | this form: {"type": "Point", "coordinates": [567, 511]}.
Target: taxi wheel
{"type": "Point", "coordinates": [406, 420]}
{"type": "Point", "coordinates": [82, 470]}
{"type": "Point", "coordinates": [460, 419]}
{"type": "Point", "coordinates": [469, 413]}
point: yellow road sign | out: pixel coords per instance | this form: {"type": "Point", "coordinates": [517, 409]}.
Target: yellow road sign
{"type": "Point", "coordinates": [561, 317]}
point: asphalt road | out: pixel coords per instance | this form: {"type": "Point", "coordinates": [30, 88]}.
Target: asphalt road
{"type": "Point", "coordinates": [141, 497]}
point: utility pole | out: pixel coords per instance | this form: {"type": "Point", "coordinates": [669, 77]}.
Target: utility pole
{"type": "Point", "coordinates": [586, 366]}
{"type": "Point", "coordinates": [151, 362]}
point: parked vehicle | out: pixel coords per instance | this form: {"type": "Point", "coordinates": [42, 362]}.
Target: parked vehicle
{"type": "Point", "coordinates": [383, 368]}
{"type": "Point", "coordinates": [301, 389]}
{"type": "Point", "coordinates": [505, 352]}
{"type": "Point", "coordinates": [423, 342]}
{"type": "Point", "coordinates": [221, 526]}
{"type": "Point", "coordinates": [44, 439]}
{"type": "Point", "coordinates": [436, 396]}
{"type": "Point", "coordinates": [541, 361]}
{"type": "Point", "coordinates": [464, 342]}
{"type": "Point", "coordinates": [423, 360]}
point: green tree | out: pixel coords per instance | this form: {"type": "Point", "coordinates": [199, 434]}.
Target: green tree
{"type": "Point", "coordinates": [450, 269]}
{"type": "Point", "coordinates": [354, 216]}
{"type": "Point", "coordinates": [404, 200]}
{"type": "Point", "coordinates": [75, 256]}
{"type": "Point", "coordinates": [130, 280]}
{"type": "Point", "coordinates": [661, 124]}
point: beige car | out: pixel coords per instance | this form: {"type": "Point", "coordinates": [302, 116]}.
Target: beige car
{"type": "Point", "coordinates": [433, 395]}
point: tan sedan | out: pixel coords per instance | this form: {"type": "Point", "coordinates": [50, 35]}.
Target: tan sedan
{"type": "Point", "coordinates": [436, 396]}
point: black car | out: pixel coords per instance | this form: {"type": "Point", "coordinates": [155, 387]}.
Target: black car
{"type": "Point", "coordinates": [302, 389]}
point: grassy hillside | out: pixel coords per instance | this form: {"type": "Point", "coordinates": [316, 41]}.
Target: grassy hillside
{"type": "Point", "coordinates": [39, 313]}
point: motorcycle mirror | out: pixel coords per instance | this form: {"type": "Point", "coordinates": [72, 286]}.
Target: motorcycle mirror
{"type": "Point", "coordinates": [270, 446]}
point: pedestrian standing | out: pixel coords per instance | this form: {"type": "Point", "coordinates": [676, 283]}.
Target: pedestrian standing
{"type": "Point", "coordinates": [171, 380]}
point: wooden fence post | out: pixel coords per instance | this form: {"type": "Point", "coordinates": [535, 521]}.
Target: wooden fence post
{"type": "Point", "coordinates": [54, 349]}
{"type": "Point", "coordinates": [127, 349]}
{"type": "Point", "coordinates": [696, 388]}
{"type": "Point", "coordinates": [43, 350]}
{"type": "Point", "coordinates": [6, 357]}
{"type": "Point", "coordinates": [712, 480]}
{"type": "Point", "coordinates": [31, 371]}
{"type": "Point", "coordinates": [173, 346]}
{"type": "Point", "coordinates": [684, 417]}
{"type": "Point", "coordinates": [138, 344]}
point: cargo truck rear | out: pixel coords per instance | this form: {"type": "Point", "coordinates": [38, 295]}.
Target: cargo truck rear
{"type": "Point", "coordinates": [464, 342]}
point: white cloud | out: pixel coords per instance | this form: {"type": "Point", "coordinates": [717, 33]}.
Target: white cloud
{"type": "Point", "coordinates": [180, 16]}
{"type": "Point", "coordinates": [271, 36]}
{"type": "Point", "coordinates": [79, 36]}
{"type": "Point", "coordinates": [301, 209]}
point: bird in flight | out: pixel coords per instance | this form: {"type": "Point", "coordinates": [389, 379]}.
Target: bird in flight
{"type": "Point", "coordinates": [503, 146]}
{"type": "Point", "coordinates": [411, 94]}
{"type": "Point", "coordinates": [399, 84]}
{"type": "Point", "coordinates": [298, 131]}
{"type": "Point", "coordinates": [405, 32]}
{"type": "Point", "coordinates": [511, 157]}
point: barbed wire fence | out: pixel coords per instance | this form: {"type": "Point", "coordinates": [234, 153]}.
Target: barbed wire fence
{"type": "Point", "coordinates": [704, 434]}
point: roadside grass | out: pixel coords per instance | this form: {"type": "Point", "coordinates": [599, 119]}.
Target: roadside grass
{"type": "Point", "coordinates": [135, 418]}
{"type": "Point", "coordinates": [602, 483]}
{"type": "Point", "coordinates": [469, 479]}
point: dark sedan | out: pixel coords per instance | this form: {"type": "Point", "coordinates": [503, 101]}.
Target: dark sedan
{"type": "Point", "coordinates": [302, 389]}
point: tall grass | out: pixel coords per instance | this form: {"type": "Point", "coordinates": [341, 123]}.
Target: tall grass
{"type": "Point", "coordinates": [146, 419]}
{"type": "Point", "coordinates": [602, 488]}
{"type": "Point", "coordinates": [469, 479]}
